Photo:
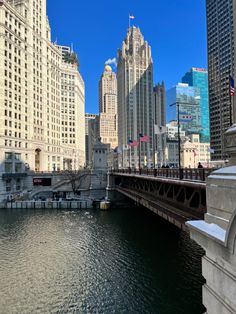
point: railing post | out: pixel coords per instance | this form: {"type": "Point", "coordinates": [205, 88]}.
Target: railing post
{"type": "Point", "coordinates": [155, 172]}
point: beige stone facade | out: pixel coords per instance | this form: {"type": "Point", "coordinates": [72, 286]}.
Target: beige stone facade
{"type": "Point", "coordinates": [72, 116]}
{"type": "Point", "coordinates": [135, 96]}
{"type": "Point", "coordinates": [108, 107]}
{"type": "Point", "coordinates": [193, 152]}
{"type": "Point", "coordinates": [30, 93]}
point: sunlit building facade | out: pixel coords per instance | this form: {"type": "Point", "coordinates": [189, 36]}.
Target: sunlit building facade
{"type": "Point", "coordinates": [135, 96]}
{"type": "Point", "coordinates": [199, 78]}
{"type": "Point", "coordinates": [188, 99]}
{"type": "Point", "coordinates": [108, 107]}
{"type": "Point", "coordinates": [72, 114]}
{"type": "Point", "coordinates": [30, 94]}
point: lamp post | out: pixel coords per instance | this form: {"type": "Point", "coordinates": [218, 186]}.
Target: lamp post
{"type": "Point", "coordinates": [177, 103]}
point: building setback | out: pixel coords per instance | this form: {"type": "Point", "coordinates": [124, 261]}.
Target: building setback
{"type": "Point", "coordinates": [220, 37]}
{"type": "Point", "coordinates": [198, 77]}
{"type": "Point", "coordinates": [135, 96]}
{"type": "Point", "coordinates": [108, 107]}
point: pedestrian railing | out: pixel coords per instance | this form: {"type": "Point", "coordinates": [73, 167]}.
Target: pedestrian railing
{"type": "Point", "coordinates": [198, 174]}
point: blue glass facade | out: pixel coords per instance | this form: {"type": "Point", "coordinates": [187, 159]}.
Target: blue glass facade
{"type": "Point", "coordinates": [188, 98]}
{"type": "Point", "coordinates": [199, 78]}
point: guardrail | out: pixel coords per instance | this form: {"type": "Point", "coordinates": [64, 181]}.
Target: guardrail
{"type": "Point", "coordinates": [198, 174]}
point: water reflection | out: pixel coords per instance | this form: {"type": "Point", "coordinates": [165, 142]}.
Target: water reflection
{"type": "Point", "coordinates": [123, 261]}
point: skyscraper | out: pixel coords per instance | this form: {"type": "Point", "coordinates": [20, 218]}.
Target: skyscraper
{"type": "Point", "coordinates": [221, 63]}
{"type": "Point", "coordinates": [108, 107]}
{"type": "Point", "coordinates": [135, 95]}
{"type": "Point", "coordinates": [188, 99]}
{"type": "Point", "coordinates": [31, 86]}
{"type": "Point", "coordinates": [199, 78]}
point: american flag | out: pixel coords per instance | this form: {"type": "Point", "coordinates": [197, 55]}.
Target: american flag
{"type": "Point", "coordinates": [144, 138]}
{"type": "Point", "coordinates": [231, 86]}
{"type": "Point", "coordinates": [132, 143]}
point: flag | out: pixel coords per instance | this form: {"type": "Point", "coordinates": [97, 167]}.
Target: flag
{"type": "Point", "coordinates": [185, 117]}
{"type": "Point", "coordinates": [211, 150]}
{"type": "Point", "coordinates": [131, 17]}
{"type": "Point", "coordinates": [1, 2]}
{"type": "Point", "coordinates": [194, 153]}
{"type": "Point", "coordinates": [117, 150]}
{"type": "Point", "coordinates": [159, 129]}
{"type": "Point", "coordinates": [231, 86]}
{"type": "Point", "coordinates": [144, 138]}
{"type": "Point", "coordinates": [133, 143]}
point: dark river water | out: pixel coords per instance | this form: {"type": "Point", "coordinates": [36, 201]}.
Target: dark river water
{"type": "Point", "coordinates": [122, 261]}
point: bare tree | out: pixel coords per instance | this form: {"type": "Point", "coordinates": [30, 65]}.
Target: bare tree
{"type": "Point", "coordinates": [76, 178]}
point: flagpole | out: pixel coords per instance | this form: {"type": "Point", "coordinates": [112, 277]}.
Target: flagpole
{"type": "Point", "coordinates": [154, 146]}
{"type": "Point", "coordinates": [129, 21]}
{"type": "Point", "coordinates": [123, 156]}
{"type": "Point", "coordinates": [130, 157]}
{"type": "Point", "coordinates": [230, 99]}
{"type": "Point", "coordinates": [139, 154]}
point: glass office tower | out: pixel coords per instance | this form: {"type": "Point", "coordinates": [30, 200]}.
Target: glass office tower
{"type": "Point", "coordinates": [199, 78]}
{"type": "Point", "coordinates": [188, 98]}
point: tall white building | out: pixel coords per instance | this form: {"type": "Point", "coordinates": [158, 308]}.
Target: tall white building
{"type": "Point", "coordinates": [72, 112]}
{"type": "Point", "coordinates": [30, 93]}
{"type": "Point", "coordinates": [108, 107]}
{"type": "Point", "coordinates": [135, 95]}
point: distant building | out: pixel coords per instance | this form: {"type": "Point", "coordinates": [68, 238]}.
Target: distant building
{"type": "Point", "coordinates": [88, 117]}
{"type": "Point", "coordinates": [108, 107]}
{"type": "Point", "coordinates": [199, 78]}
{"type": "Point", "coordinates": [135, 95]}
{"type": "Point", "coordinates": [159, 104]}
{"type": "Point", "coordinates": [93, 135]}
{"type": "Point", "coordinates": [171, 153]}
{"type": "Point", "coordinates": [188, 98]}
{"type": "Point", "coordinates": [220, 35]}
{"type": "Point", "coordinates": [72, 115]}
{"type": "Point", "coordinates": [160, 120]}
{"type": "Point", "coordinates": [172, 131]}
{"type": "Point", "coordinates": [193, 152]}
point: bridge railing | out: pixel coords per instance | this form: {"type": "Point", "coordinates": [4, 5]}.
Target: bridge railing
{"type": "Point", "coordinates": [198, 174]}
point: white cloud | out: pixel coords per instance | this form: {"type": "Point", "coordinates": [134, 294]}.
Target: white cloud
{"type": "Point", "coordinates": [111, 61]}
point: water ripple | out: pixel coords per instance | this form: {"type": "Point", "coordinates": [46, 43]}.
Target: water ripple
{"type": "Point", "coordinates": [93, 262]}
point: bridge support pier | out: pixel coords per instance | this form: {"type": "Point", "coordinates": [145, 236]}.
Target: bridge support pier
{"type": "Point", "coordinates": [217, 235]}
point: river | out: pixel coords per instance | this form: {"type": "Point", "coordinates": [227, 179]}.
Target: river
{"type": "Point", "coordinates": [121, 261]}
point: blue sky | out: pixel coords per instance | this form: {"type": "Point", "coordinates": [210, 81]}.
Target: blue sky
{"type": "Point", "coordinates": [175, 29]}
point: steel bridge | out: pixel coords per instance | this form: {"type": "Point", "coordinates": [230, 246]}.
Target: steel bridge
{"type": "Point", "coordinates": [177, 196]}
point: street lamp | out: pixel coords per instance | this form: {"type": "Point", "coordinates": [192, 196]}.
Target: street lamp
{"type": "Point", "coordinates": [177, 103]}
